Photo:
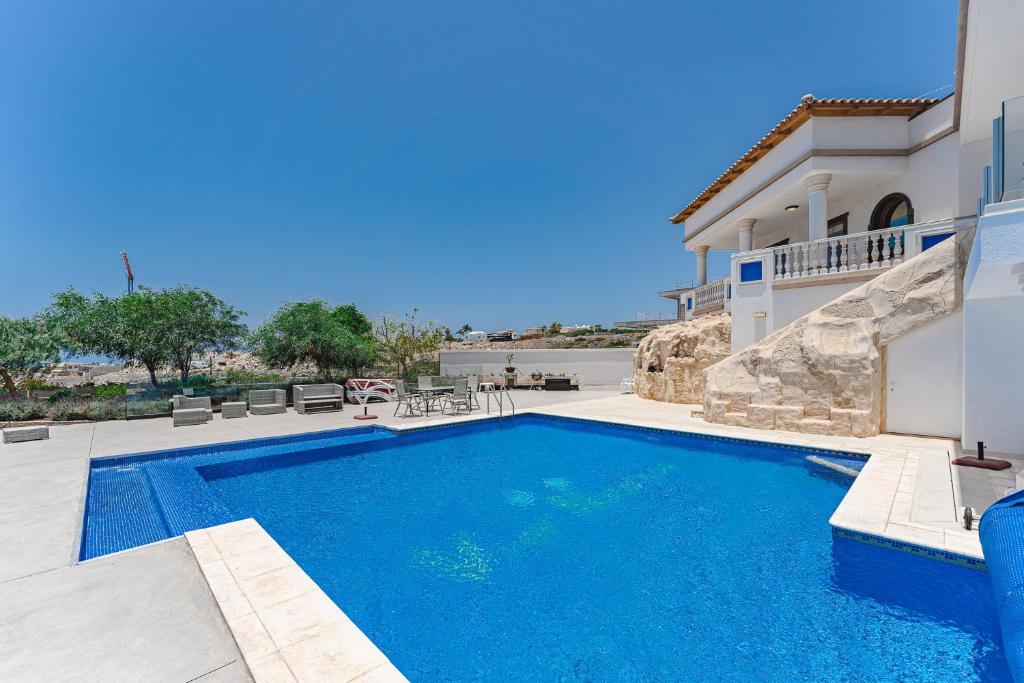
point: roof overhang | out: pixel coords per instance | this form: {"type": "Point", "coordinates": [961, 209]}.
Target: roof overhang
{"type": "Point", "coordinates": [989, 64]}
{"type": "Point", "coordinates": [809, 107]}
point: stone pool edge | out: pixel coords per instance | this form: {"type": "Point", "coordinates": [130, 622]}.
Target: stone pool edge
{"type": "Point", "coordinates": [285, 626]}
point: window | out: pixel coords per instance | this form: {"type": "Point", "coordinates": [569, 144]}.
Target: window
{"type": "Point", "coordinates": [837, 226]}
{"type": "Point", "coordinates": [689, 303]}
{"type": "Point", "coordinates": [751, 271]}
{"type": "Point", "coordinates": [929, 241]}
{"type": "Point", "coordinates": [893, 211]}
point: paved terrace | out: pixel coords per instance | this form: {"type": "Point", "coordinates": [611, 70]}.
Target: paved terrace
{"type": "Point", "coordinates": [148, 614]}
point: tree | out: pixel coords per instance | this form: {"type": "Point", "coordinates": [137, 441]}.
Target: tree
{"type": "Point", "coordinates": [150, 328]}
{"type": "Point", "coordinates": [311, 331]}
{"type": "Point", "coordinates": [128, 328]}
{"type": "Point", "coordinates": [195, 321]}
{"type": "Point", "coordinates": [553, 329]}
{"type": "Point", "coordinates": [402, 338]}
{"type": "Point", "coordinates": [27, 345]}
{"type": "Point", "coordinates": [463, 331]}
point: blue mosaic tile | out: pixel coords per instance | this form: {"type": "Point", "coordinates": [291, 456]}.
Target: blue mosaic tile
{"type": "Point", "coordinates": [912, 548]}
{"type": "Point", "coordinates": [142, 498]}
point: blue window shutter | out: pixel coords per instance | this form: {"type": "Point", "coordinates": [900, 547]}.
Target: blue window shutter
{"type": "Point", "coordinates": [929, 241]}
{"type": "Point", "coordinates": [751, 271]}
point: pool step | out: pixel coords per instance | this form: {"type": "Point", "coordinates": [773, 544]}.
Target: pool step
{"type": "Point", "coordinates": [848, 466]}
{"type": "Point", "coordinates": [122, 512]}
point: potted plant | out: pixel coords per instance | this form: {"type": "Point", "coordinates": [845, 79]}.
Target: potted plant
{"type": "Point", "coordinates": [509, 368]}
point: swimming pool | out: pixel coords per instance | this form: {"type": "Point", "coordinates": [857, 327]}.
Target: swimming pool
{"type": "Point", "coordinates": [537, 548]}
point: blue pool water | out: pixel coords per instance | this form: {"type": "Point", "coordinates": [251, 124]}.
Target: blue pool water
{"type": "Point", "coordinates": [544, 549]}
{"type": "Point", "coordinates": [147, 497]}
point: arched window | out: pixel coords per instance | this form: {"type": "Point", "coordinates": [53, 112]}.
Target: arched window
{"type": "Point", "coordinates": [893, 211]}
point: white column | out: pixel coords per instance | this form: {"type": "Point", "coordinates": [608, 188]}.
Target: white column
{"type": "Point", "coordinates": [746, 233]}
{"type": "Point", "coordinates": [702, 265]}
{"type": "Point", "coordinates": [817, 205]}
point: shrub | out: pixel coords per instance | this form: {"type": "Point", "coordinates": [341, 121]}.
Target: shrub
{"type": "Point", "coordinates": [110, 390]}
{"type": "Point", "coordinates": [60, 395]}
{"type": "Point", "coordinates": [149, 407]}
{"type": "Point", "coordinates": [86, 409]}
{"type": "Point", "coordinates": [22, 410]}
{"type": "Point", "coordinates": [105, 410]}
{"type": "Point", "coordinates": [234, 376]}
{"type": "Point", "coordinates": [35, 384]}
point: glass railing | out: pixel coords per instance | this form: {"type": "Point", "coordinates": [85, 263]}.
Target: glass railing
{"type": "Point", "coordinates": [1011, 162]}
{"type": "Point", "coordinates": [142, 399]}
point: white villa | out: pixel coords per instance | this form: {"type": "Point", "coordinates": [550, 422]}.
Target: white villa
{"type": "Point", "coordinates": [842, 190]}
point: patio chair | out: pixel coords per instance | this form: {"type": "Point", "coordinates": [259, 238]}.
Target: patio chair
{"type": "Point", "coordinates": [459, 399]}
{"type": "Point", "coordinates": [267, 401]}
{"type": "Point", "coordinates": [191, 411]}
{"type": "Point", "coordinates": [412, 402]}
{"type": "Point", "coordinates": [429, 399]}
{"type": "Point", "coordinates": [474, 389]}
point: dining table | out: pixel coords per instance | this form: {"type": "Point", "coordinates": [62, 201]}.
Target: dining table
{"type": "Point", "coordinates": [430, 393]}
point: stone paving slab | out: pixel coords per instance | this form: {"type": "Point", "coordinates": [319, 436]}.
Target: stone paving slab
{"type": "Point", "coordinates": [286, 627]}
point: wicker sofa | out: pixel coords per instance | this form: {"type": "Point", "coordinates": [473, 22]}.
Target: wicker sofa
{"type": "Point", "coordinates": [267, 401]}
{"type": "Point", "coordinates": [189, 410]}
{"type": "Point", "coordinates": [317, 397]}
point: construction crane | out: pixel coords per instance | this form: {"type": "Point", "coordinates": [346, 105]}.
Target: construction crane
{"type": "Point", "coordinates": [128, 272]}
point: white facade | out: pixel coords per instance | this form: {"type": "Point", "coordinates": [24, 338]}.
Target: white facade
{"type": "Point", "coordinates": [993, 332]}
{"type": "Point", "coordinates": [842, 190]}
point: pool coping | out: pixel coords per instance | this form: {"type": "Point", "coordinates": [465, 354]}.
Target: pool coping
{"type": "Point", "coordinates": [285, 626]}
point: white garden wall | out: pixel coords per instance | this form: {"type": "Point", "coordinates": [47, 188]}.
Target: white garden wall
{"type": "Point", "coordinates": [595, 367]}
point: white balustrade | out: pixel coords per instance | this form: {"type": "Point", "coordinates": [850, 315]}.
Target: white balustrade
{"type": "Point", "coordinates": [711, 294]}
{"type": "Point", "coordinates": [843, 254]}
{"type": "Point", "coordinates": [854, 252]}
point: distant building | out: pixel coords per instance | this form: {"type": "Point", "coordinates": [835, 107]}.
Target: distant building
{"type": "Point", "coordinates": [502, 335]}
{"type": "Point", "coordinates": [535, 329]}
{"type": "Point", "coordinates": [476, 336]}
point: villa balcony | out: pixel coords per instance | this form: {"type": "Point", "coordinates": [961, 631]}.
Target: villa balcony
{"type": "Point", "coordinates": [772, 287]}
{"type": "Point", "coordinates": [862, 251]}
{"type": "Point", "coordinates": [712, 297]}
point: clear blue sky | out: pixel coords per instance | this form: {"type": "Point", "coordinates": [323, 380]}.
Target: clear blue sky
{"type": "Point", "coordinates": [496, 163]}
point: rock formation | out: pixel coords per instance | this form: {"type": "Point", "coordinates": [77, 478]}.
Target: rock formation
{"type": "Point", "coordinates": [823, 373]}
{"type": "Point", "coordinates": [670, 361]}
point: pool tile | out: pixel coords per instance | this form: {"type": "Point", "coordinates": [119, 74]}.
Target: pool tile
{"type": "Point", "coordinates": [255, 562]}
{"type": "Point", "coordinates": [385, 673]}
{"type": "Point", "coordinates": [252, 638]}
{"type": "Point", "coordinates": [277, 586]}
{"type": "Point", "coordinates": [299, 618]}
{"type": "Point", "coordinates": [271, 669]}
{"type": "Point", "coordinates": [339, 652]}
